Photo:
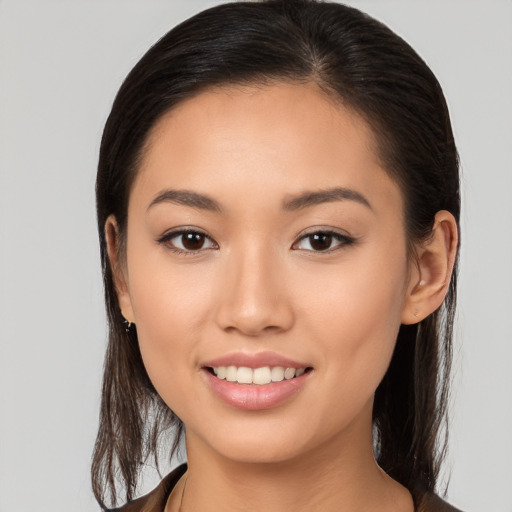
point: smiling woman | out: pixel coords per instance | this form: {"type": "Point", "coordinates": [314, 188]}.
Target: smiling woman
{"type": "Point", "coordinates": [278, 204]}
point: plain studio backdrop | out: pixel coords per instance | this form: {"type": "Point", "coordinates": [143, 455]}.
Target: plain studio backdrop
{"type": "Point", "coordinates": [61, 63]}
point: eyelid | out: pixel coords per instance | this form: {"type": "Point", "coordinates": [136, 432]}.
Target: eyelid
{"type": "Point", "coordinates": [344, 239]}
{"type": "Point", "coordinates": [175, 232]}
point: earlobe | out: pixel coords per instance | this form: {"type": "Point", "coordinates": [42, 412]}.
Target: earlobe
{"type": "Point", "coordinates": [434, 266]}
{"type": "Point", "coordinates": [119, 276]}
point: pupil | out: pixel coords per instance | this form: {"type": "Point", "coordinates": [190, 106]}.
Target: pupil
{"type": "Point", "coordinates": [193, 241]}
{"type": "Point", "coordinates": [320, 241]}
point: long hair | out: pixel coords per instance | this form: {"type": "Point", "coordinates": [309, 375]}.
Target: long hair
{"type": "Point", "coordinates": [363, 64]}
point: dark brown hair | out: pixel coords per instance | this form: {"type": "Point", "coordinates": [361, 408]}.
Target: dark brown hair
{"type": "Point", "coordinates": [367, 67]}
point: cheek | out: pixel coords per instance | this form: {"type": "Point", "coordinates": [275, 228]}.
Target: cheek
{"type": "Point", "coordinates": [171, 306]}
{"type": "Point", "coordinates": [355, 318]}
{"type": "Point", "coordinates": [164, 295]}
{"type": "Point", "coordinates": [367, 289]}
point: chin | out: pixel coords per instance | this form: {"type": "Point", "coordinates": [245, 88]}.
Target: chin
{"type": "Point", "coordinates": [260, 452]}
{"type": "Point", "coordinates": [253, 445]}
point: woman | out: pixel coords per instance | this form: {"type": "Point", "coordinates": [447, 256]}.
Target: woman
{"type": "Point", "coordinates": [278, 205]}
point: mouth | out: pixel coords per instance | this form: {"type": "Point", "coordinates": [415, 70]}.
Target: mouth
{"type": "Point", "coordinates": [256, 376]}
{"type": "Point", "coordinates": [256, 381]}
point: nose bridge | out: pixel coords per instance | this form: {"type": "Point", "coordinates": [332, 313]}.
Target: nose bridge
{"type": "Point", "coordinates": [254, 296]}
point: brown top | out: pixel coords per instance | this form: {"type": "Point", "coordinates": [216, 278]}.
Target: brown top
{"type": "Point", "coordinates": [156, 500]}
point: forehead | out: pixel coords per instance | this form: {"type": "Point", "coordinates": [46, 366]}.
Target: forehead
{"type": "Point", "coordinates": [276, 138]}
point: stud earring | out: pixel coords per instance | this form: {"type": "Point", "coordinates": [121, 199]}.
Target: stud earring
{"type": "Point", "coordinates": [127, 325]}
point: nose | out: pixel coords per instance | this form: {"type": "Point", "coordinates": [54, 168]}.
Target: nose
{"type": "Point", "coordinates": [254, 299]}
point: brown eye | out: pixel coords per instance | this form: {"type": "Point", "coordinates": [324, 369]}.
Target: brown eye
{"type": "Point", "coordinates": [320, 241]}
{"type": "Point", "coordinates": [323, 241]}
{"type": "Point", "coordinates": [192, 241]}
{"type": "Point", "coordinates": [187, 242]}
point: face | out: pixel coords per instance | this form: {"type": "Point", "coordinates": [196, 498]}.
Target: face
{"type": "Point", "coordinates": [265, 237]}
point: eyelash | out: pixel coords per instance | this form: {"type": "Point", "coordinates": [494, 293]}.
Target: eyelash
{"type": "Point", "coordinates": [166, 240]}
{"type": "Point", "coordinates": [343, 241]}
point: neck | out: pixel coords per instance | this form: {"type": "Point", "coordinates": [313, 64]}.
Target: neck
{"type": "Point", "coordinates": [341, 475]}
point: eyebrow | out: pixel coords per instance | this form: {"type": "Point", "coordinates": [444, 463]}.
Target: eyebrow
{"type": "Point", "coordinates": [307, 199]}
{"type": "Point", "coordinates": [299, 202]}
{"type": "Point", "coordinates": [187, 198]}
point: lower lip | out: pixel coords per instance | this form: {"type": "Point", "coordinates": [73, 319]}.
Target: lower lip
{"type": "Point", "coordinates": [253, 397]}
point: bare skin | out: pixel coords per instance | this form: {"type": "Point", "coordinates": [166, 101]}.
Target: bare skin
{"type": "Point", "coordinates": [255, 280]}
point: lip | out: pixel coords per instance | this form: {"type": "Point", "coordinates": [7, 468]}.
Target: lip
{"type": "Point", "coordinates": [254, 397]}
{"type": "Point", "coordinates": [256, 360]}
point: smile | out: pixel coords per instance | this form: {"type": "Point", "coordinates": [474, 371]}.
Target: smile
{"type": "Point", "coordinates": [258, 388]}
{"type": "Point", "coordinates": [259, 376]}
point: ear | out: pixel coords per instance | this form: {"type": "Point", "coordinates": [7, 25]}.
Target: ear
{"type": "Point", "coordinates": [118, 266]}
{"type": "Point", "coordinates": [431, 275]}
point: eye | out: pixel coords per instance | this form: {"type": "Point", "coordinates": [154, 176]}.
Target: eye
{"type": "Point", "coordinates": [187, 241]}
{"type": "Point", "coordinates": [323, 241]}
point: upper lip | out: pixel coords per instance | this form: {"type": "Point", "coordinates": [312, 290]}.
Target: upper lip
{"type": "Point", "coordinates": [256, 360]}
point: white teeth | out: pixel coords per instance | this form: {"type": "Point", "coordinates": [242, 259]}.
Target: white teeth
{"type": "Point", "coordinates": [231, 373]}
{"type": "Point", "coordinates": [262, 376]}
{"type": "Point", "coordinates": [258, 376]}
{"type": "Point", "coordinates": [277, 374]}
{"type": "Point", "coordinates": [244, 375]}
{"type": "Point", "coordinates": [289, 373]}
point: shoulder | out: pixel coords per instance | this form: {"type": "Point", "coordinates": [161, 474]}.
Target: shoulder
{"type": "Point", "coordinates": [433, 503]}
{"type": "Point", "coordinates": [156, 500]}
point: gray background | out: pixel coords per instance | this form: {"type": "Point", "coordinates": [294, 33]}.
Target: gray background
{"type": "Point", "coordinates": [61, 63]}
